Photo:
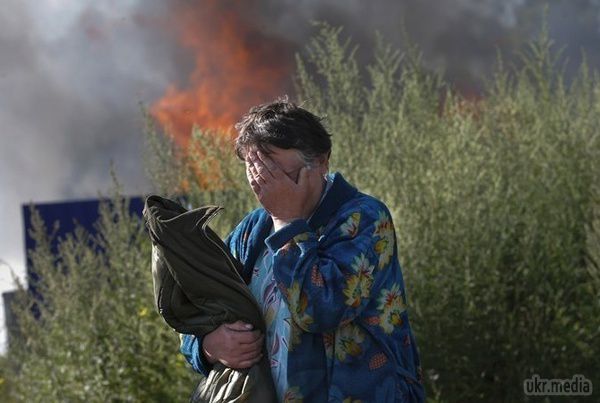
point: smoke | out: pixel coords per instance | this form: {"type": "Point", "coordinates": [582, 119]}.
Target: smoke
{"type": "Point", "coordinates": [459, 37]}
{"type": "Point", "coordinates": [71, 79]}
{"type": "Point", "coordinates": [72, 74]}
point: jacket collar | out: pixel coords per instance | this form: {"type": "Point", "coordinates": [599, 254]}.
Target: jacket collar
{"type": "Point", "coordinates": [339, 193]}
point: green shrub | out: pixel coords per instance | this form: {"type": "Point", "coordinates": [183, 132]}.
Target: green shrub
{"type": "Point", "coordinates": [99, 337]}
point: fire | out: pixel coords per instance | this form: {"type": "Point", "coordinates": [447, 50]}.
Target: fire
{"type": "Point", "coordinates": [236, 66]}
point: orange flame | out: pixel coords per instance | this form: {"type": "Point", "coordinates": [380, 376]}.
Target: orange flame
{"type": "Point", "coordinates": [236, 66]}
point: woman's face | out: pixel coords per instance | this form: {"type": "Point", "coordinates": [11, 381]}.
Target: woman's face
{"type": "Point", "coordinates": [290, 161]}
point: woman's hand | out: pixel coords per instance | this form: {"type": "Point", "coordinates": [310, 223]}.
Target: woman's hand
{"type": "Point", "coordinates": [283, 199]}
{"type": "Point", "coordinates": [234, 345]}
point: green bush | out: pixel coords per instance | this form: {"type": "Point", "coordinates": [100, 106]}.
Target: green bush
{"type": "Point", "coordinates": [99, 337]}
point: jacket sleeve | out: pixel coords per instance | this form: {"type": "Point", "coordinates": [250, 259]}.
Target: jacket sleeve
{"type": "Point", "coordinates": [190, 347]}
{"type": "Point", "coordinates": [328, 280]}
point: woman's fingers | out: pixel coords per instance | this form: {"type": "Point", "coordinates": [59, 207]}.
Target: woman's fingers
{"type": "Point", "coordinates": [256, 175]}
{"type": "Point", "coordinates": [239, 326]}
{"type": "Point", "coordinates": [268, 163]}
{"type": "Point", "coordinates": [249, 354]}
{"type": "Point", "coordinates": [254, 355]}
{"type": "Point", "coordinates": [242, 334]}
{"type": "Point", "coordinates": [259, 167]}
{"type": "Point", "coordinates": [248, 337]}
{"type": "Point", "coordinates": [248, 363]}
{"type": "Point", "coordinates": [250, 347]}
{"type": "Point", "coordinates": [236, 345]}
{"type": "Point", "coordinates": [309, 178]}
{"type": "Point", "coordinates": [251, 179]}
{"type": "Point", "coordinates": [303, 176]}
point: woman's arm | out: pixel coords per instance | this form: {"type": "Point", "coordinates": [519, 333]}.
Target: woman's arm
{"type": "Point", "coordinates": [190, 348]}
{"type": "Point", "coordinates": [234, 345]}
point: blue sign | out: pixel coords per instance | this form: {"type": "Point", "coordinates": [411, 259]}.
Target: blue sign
{"type": "Point", "coordinates": [69, 215]}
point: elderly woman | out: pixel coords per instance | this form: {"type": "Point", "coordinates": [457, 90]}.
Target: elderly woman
{"type": "Point", "coordinates": [321, 259]}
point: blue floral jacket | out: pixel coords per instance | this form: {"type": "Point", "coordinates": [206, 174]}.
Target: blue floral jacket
{"type": "Point", "coordinates": [339, 274]}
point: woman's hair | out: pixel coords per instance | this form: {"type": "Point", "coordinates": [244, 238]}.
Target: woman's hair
{"type": "Point", "coordinates": [285, 125]}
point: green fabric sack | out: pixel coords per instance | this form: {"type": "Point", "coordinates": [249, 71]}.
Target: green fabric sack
{"type": "Point", "coordinates": [197, 287]}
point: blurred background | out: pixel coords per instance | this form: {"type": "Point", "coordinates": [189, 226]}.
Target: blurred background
{"type": "Point", "coordinates": [78, 80]}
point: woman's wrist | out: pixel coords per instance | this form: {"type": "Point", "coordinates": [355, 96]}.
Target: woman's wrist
{"type": "Point", "coordinates": [208, 357]}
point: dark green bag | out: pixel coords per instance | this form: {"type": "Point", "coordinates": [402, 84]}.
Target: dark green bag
{"type": "Point", "coordinates": [197, 287]}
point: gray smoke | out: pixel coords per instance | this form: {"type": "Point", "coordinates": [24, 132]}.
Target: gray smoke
{"type": "Point", "coordinates": [71, 79]}
{"type": "Point", "coordinates": [72, 74]}
{"type": "Point", "coordinates": [460, 37]}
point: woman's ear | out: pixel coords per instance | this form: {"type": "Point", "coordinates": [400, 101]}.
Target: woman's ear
{"type": "Point", "coordinates": [324, 164]}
